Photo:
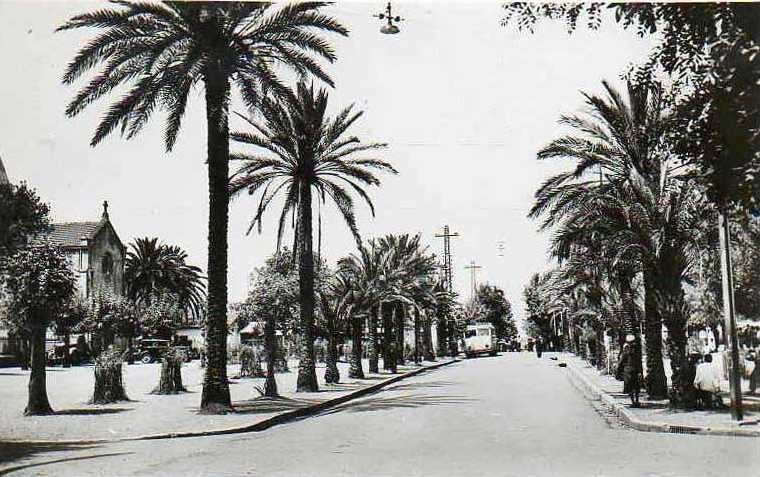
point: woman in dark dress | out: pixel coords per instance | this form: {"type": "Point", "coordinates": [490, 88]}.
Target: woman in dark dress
{"type": "Point", "coordinates": [629, 367]}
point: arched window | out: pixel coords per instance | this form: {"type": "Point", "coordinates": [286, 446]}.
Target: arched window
{"type": "Point", "coordinates": [106, 266]}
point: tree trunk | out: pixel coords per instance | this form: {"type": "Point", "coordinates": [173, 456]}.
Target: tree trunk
{"type": "Point", "coordinates": [389, 344]}
{"type": "Point", "coordinates": [427, 336]}
{"type": "Point", "coordinates": [417, 337]}
{"type": "Point", "coordinates": [355, 370]}
{"type": "Point", "coordinates": [215, 397]}
{"type": "Point", "coordinates": [130, 351]}
{"type": "Point", "coordinates": [38, 403]}
{"type": "Point", "coordinates": [332, 375]}
{"type": "Point", "coordinates": [171, 375]}
{"type": "Point", "coordinates": [373, 340]}
{"type": "Point", "coordinates": [656, 381]}
{"type": "Point", "coordinates": [442, 335]}
{"type": "Point", "coordinates": [400, 322]}
{"type": "Point", "coordinates": [66, 352]}
{"type": "Point", "coordinates": [109, 384]}
{"type": "Point", "coordinates": [307, 373]}
{"type": "Point", "coordinates": [270, 343]}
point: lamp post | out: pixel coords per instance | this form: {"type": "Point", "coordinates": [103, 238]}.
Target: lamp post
{"type": "Point", "coordinates": [389, 28]}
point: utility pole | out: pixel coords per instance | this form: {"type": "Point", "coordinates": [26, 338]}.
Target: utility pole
{"type": "Point", "coordinates": [447, 269]}
{"type": "Point", "coordinates": [732, 344]}
{"type": "Point", "coordinates": [473, 270]}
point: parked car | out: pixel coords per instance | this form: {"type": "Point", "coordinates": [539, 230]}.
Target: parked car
{"type": "Point", "coordinates": [148, 350]}
{"type": "Point", "coordinates": [480, 339]}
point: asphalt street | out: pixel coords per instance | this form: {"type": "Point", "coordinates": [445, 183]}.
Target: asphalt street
{"type": "Point", "coordinates": [512, 415]}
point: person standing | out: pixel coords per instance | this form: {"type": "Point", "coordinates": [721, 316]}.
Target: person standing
{"type": "Point", "coordinates": [754, 377]}
{"type": "Point", "coordinates": [539, 346]}
{"type": "Point", "coordinates": [629, 367]}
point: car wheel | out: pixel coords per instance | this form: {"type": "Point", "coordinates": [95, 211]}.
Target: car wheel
{"type": "Point", "coordinates": [146, 359]}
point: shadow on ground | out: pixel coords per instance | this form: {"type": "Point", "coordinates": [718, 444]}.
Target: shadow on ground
{"type": "Point", "coordinates": [265, 405]}
{"type": "Point", "coordinates": [412, 386]}
{"type": "Point", "coordinates": [14, 450]}
{"type": "Point", "coordinates": [91, 411]}
{"type": "Point", "coordinates": [380, 403]}
{"type": "Point", "coordinates": [8, 470]}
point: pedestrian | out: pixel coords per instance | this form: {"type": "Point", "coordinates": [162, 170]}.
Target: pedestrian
{"type": "Point", "coordinates": [706, 382]}
{"type": "Point", "coordinates": [754, 377]}
{"type": "Point", "coordinates": [539, 346]}
{"type": "Point", "coordinates": [629, 367]}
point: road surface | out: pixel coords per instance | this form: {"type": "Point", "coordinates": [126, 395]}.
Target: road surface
{"type": "Point", "coordinates": [513, 415]}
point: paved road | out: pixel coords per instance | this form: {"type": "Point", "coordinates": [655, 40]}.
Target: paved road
{"type": "Point", "coordinates": [514, 415]}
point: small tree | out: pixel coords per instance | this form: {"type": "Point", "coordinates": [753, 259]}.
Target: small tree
{"type": "Point", "coordinates": [39, 283]}
{"type": "Point", "coordinates": [109, 384]}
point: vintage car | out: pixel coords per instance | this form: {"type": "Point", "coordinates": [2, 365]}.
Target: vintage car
{"type": "Point", "coordinates": [148, 350]}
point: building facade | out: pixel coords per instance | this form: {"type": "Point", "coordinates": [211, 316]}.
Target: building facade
{"type": "Point", "coordinates": [95, 252]}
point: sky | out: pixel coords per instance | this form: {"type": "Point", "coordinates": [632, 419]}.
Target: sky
{"type": "Point", "coordinates": [463, 103]}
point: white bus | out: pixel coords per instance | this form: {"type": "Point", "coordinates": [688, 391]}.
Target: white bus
{"type": "Point", "coordinates": [480, 338]}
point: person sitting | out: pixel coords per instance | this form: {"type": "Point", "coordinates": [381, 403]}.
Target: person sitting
{"type": "Point", "coordinates": [706, 382]}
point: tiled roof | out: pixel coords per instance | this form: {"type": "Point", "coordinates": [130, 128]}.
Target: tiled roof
{"type": "Point", "coordinates": [71, 234]}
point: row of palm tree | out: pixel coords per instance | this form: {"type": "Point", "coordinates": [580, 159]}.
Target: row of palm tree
{"type": "Point", "coordinates": [291, 149]}
{"type": "Point", "coordinates": [388, 283]}
{"type": "Point", "coordinates": [624, 218]}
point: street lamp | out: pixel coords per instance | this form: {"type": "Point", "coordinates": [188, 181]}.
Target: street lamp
{"type": "Point", "coordinates": [389, 28]}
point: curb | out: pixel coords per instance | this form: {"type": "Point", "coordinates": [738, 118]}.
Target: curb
{"type": "Point", "coordinates": [258, 426]}
{"type": "Point", "coordinates": [633, 422]}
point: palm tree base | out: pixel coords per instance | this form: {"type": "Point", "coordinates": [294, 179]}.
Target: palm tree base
{"type": "Point", "coordinates": [307, 380]}
{"type": "Point", "coordinates": [216, 399]}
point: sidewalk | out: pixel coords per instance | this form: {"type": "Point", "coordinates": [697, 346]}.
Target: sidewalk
{"type": "Point", "coordinates": [657, 416]}
{"type": "Point", "coordinates": [153, 416]}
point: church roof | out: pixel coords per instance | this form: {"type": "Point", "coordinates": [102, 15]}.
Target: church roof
{"type": "Point", "coordinates": [70, 234]}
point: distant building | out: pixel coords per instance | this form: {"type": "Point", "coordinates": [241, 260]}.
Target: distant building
{"type": "Point", "coordinates": [3, 175]}
{"type": "Point", "coordinates": [95, 252]}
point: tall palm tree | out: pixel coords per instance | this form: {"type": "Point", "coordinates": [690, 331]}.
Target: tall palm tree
{"type": "Point", "coordinates": [623, 141]}
{"type": "Point", "coordinates": [154, 269]}
{"type": "Point", "coordinates": [306, 152]}
{"type": "Point", "coordinates": [163, 50]}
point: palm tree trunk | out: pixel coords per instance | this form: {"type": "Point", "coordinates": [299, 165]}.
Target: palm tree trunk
{"type": "Point", "coordinates": [400, 322]}
{"type": "Point", "coordinates": [442, 333]}
{"type": "Point", "coordinates": [270, 343]}
{"type": "Point", "coordinates": [355, 370]}
{"type": "Point", "coordinates": [417, 337]}
{"type": "Point", "coordinates": [656, 381]}
{"type": "Point", "coordinates": [307, 373]}
{"type": "Point", "coordinates": [427, 335]}
{"type": "Point", "coordinates": [373, 340]}
{"type": "Point", "coordinates": [389, 345]}
{"type": "Point", "coordinates": [332, 375]}
{"type": "Point", "coordinates": [38, 403]}
{"type": "Point", "coordinates": [216, 392]}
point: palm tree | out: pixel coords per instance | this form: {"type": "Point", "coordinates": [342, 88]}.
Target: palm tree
{"type": "Point", "coordinates": [307, 152]}
{"type": "Point", "coordinates": [164, 50]}
{"type": "Point", "coordinates": [154, 269]}
{"type": "Point", "coordinates": [624, 140]}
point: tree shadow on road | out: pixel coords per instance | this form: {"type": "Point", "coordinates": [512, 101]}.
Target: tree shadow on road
{"type": "Point", "coordinates": [412, 386]}
{"type": "Point", "coordinates": [15, 450]}
{"type": "Point", "coordinates": [266, 405]}
{"type": "Point", "coordinates": [8, 470]}
{"type": "Point", "coordinates": [91, 411]}
{"type": "Point", "coordinates": [380, 403]}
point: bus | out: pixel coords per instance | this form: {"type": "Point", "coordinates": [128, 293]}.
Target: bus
{"type": "Point", "coordinates": [480, 338]}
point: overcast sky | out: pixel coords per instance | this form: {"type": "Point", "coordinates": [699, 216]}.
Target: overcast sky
{"type": "Point", "coordinates": [463, 102]}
